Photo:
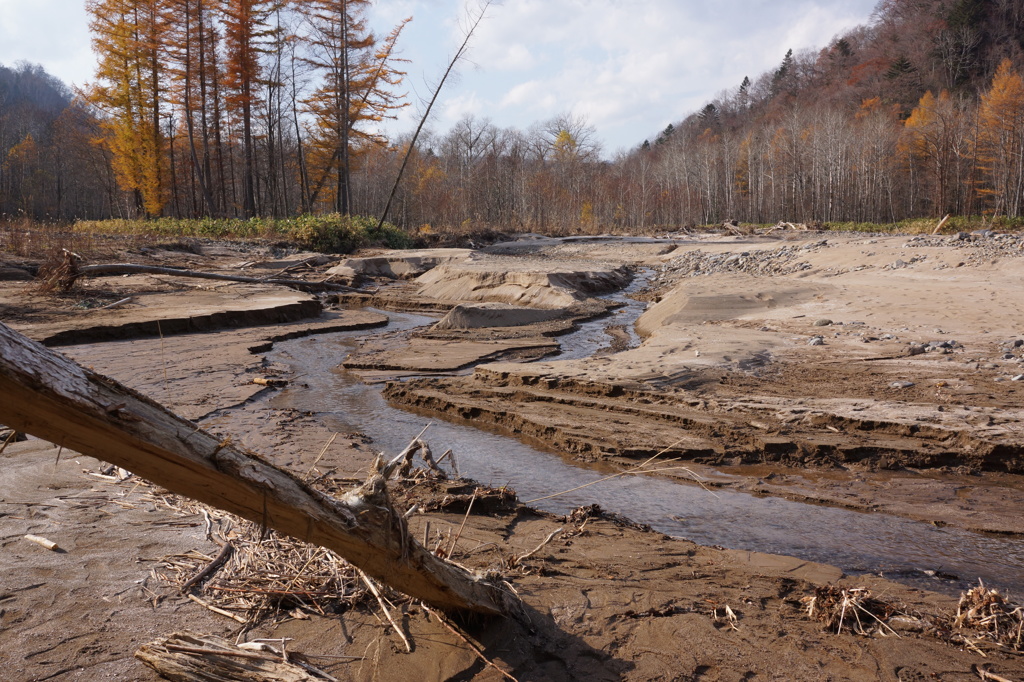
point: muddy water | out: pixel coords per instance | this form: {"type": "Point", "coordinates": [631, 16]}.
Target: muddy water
{"type": "Point", "coordinates": [854, 541]}
{"type": "Point", "coordinates": [591, 337]}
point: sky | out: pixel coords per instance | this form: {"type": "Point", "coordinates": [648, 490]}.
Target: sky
{"type": "Point", "coordinates": [628, 67]}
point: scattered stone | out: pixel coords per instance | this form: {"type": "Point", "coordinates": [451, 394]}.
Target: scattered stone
{"type": "Point", "coordinates": [784, 260]}
{"type": "Point", "coordinates": [824, 322]}
{"type": "Point", "coordinates": [901, 384]}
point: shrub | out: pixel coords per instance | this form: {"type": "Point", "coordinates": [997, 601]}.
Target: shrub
{"type": "Point", "coordinates": [335, 233]}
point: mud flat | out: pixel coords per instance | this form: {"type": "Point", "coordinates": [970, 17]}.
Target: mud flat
{"type": "Point", "coordinates": [604, 598]}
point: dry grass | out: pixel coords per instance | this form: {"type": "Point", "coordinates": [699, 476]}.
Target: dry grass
{"type": "Point", "coordinates": [23, 238]}
{"type": "Point", "coordinates": [259, 574]}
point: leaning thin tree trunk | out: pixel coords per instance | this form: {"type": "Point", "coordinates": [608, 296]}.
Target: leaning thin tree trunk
{"type": "Point", "coordinates": [426, 114]}
{"type": "Point", "coordinates": [49, 396]}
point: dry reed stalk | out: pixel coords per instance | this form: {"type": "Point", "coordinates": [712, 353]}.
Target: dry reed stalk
{"type": "Point", "coordinates": [266, 574]}
{"type": "Point", "coordinates": [633, 471]}
{"type": "Point", "coordinates": [833, 606]}
{"type": "Point", "coordinates": [476, 650]}
{"type": "Point", "coordinates": [989, 618]}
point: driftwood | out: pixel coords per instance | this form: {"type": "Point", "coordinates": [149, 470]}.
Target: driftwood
{"type": "Point", "coordinates": [64, 275]}
{"type": "Point", "coordinates": [49, 396]}
{"type": "Point", "coordinates": [134, 269]}
{"type": "Point", "coordinates": [185, 657]}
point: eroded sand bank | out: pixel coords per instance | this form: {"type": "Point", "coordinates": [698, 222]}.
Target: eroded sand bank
{"type": "Point", "coordinates": [725, 365]}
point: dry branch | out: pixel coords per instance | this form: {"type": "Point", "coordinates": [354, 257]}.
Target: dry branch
{"type": "Point", "coordinates": [49, 396]}
{"type": "Point", "coordinates": [185, 657]}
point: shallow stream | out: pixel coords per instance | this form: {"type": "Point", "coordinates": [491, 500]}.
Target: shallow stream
{"type": "Point", "coordinates": [854, 541]}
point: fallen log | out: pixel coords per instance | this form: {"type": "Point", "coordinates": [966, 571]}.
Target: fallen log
{"type": "Point", "coordinates": [67, 280]}
{"type": "Point", "coordinates": [45, 394]}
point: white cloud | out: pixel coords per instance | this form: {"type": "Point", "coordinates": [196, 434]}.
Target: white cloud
{"type": "Point", "coordinates": [53, 33]}
{"type": "Point", "coordinates": [462, 105]}
{"type": "Point", "coordinates": [629, 66]}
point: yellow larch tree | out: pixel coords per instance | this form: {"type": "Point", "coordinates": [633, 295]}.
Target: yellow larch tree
{"type": "Point", "coordinates": [357, 84]}
{"type": "Point", "coordinates": [1001, 141]}
{"type": "Point", "coordinates": [127, 38]}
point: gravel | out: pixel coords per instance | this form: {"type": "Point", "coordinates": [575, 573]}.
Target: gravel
{"type": "Point", "coordinates": [784, 260]}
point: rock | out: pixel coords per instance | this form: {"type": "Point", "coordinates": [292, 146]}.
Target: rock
{"type": "Point", "coordinates": [816, 341]}
{"type": "Point", "coordinates": [824, 322]}
{"type": "Point", "coordinates": [901, 384]}
{"type": "Point", "coordinates": [1019, 377]}
{"type": "Point", "coordinates": [916, 349]}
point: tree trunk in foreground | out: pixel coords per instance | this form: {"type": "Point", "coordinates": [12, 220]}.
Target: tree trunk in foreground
{"type": "Point", "coordinates": [45, 394]}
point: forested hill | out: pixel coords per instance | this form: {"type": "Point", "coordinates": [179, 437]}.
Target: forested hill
{"type": "Point", "coordinates": [906, 49]}
{"type": "Point", "coordinates": [896, 118]}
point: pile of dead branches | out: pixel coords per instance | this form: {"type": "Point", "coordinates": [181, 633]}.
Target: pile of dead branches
{"type": "Point", "coordinates": [985, 619]}
{"type": "Point", "coordinates": [852, 607]}
{"type": "Point", "coordinates": [260, 574]}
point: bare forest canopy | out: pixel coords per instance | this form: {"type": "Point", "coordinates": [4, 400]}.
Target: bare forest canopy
{"type": "Point", "coordinates": [257, 107]}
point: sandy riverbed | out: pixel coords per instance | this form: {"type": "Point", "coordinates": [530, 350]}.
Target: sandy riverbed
{"type": "Point", "coordinates": [726, 362]}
